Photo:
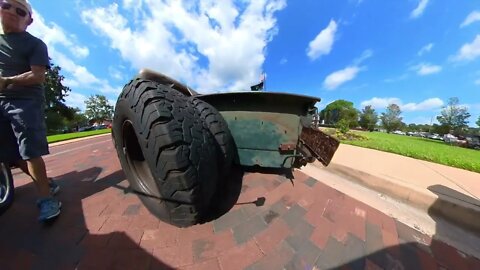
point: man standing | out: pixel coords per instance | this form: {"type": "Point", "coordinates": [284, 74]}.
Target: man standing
{"type": "Point", "coordinates": [23, 63]}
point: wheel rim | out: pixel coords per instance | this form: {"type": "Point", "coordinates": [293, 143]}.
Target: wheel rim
{"type": "Point", "coordinates": [136, 161]}
{"type": "Point", "coordinates": [4, 183]}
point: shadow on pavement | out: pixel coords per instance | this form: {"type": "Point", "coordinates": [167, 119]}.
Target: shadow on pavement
{"type": "Point", "coordinates": [285, 172]}
{"type": "Point", "coordinates": [227, 194]}
{"type": "Point", "coordinates": [66, 243]}
{"type": "Point", "coordinates": [456, 208]}
{"type": "Point", "coordinates": [414, 251]}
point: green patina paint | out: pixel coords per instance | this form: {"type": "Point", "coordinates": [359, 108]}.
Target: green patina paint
{"type": "Point", "coordinates": [268, 159]}
{"type": "Point", "coordinates": [258, 136]}
{"type": "Point", "coordinates": [262, 121]}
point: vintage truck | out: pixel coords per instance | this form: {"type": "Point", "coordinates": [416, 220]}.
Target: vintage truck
{"type": "Point", "coordinates": [177, 147]}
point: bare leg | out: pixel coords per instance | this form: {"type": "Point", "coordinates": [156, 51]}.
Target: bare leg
{"type": "Point", "coordinates": [22, 164]}
{"type": "Point", "coordinates": [37, 170]}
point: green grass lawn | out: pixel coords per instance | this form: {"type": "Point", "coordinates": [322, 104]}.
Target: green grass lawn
{"type": "Point", "coordinates": [420, 148]}
{"type": "Point", "coordinates": [75, 135]}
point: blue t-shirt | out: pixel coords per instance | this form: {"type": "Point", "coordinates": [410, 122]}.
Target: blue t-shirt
{"type": "Point", "coordinates": [18, 52]}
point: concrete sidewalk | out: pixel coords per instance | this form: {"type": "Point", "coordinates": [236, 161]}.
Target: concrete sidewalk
{"type": "Point", "coordinates": [450, 192]}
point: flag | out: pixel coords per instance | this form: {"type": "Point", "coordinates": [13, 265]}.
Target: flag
{"type": "Point", "coordinates": [260, 86]}
{"type": "Point", "coordinates": [257, 87]}
{"type": "Point", "coordinates": [263, 76]}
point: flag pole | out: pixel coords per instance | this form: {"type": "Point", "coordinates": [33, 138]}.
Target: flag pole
{"type": "Point", "coordinates": [264, 77]}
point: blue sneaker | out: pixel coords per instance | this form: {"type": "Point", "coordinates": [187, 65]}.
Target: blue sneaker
{"type": "Point", "coordinates": [54, 187]}
{"type": "Point", "coordinates": [49, 208]}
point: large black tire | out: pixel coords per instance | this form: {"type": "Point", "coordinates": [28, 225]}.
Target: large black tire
{"type": "Point", "coordinates": [6, 187]}
{"type": "Point", "coordinates": [219, 129]}
{"type": "Point", "coordinates": [166, 152]}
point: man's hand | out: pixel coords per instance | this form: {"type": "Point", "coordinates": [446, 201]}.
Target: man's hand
{"type": "Point", "coordinates": [3, 83]}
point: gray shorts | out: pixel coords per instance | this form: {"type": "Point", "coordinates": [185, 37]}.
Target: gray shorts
{"type": "Point", "coordinates": [23, 133]}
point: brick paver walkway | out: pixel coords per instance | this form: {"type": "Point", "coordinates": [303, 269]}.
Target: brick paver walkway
{"type": "Point", "coordinates": [272, 222]}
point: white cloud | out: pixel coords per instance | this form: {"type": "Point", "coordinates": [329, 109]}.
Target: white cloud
{"type": "Point", "coordinates": [80, 52]}
{"type": "Point", "coordinates": [323, 43]}
{"type": "Point", "coordinates": [365, 55]}
{"type": "Point", "coordinates": [80, 74]}
{"type": "Point", "coordinates": [115, 73]}
{"type": "Point", "coordinates": [230, 37]}
{"type": "Point", "coordinates": [82, 78]}
{"type": "Point", "coordinates": [423, 120]}
{"type": "Point", "coordinates": [349, 73]}
{"type": "Point", "coordinates": [469, 51]}
{"type": "Point", "coordinates": [283, 61]}
{"type": "Point", "coordinates": [426, 105]}
{"type": "Point", "coordinates": [429, 104]}
{"type": "Point", "coordinates": [425, 49]}
{"type": "Point", "coordinates": [471, 18]}
{"type": "Point", "coordinates": [108, 89]}
{"type": "Point", "coordinates": [53, 35]}
{"type": "Point", "coordinates": [76, 76]}
{"type": "Point", "coordinates": [340, 77]}
{"type": "Point", "coordinates": [424, 69]}
{"type": "Point", "coordinates": [477, 82]}
{"type": "Point", "coordinates": [381, 103]}
{"type": "Point", "coordinates": [76, 100]}
{"type": "Point", "coordinates": [417, 12]}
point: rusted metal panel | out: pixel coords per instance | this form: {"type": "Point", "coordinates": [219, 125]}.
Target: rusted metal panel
{"type": "Point", "coordinates": [320, 144]}
{"type": "Point", "coordinates": [265, 126]}
{"type": "Point", "coordinates": [264, 158]}
{"type": "Point", "coordinates": [285, 147]}
{"type": "Point", "coordinates": [259, 135]}
{"type": "Point", "coordinates": [261, 130]}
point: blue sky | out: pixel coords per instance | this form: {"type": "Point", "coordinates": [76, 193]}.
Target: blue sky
{"type": "Point", "coordinates": [415, 53]}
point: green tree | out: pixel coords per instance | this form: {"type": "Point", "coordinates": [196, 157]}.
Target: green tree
{"type": "Point", "coordinates": [55, 92]}
{"type": "Point", "coordinates": [343, 126]}
{"type": "Point", "coordinates": [424, 127]}
{"type": "Point", "coordinates": [55, 122]}
{"type": "Point", "coordinates": [391, 119]}
{"type": "Point", "coordinates": [79, 119]}
{"type": "Point", "coordinates": [478, 121]}
{"type": "Point", "coordinates": [413, 127]}
{"type": "Point", "coordinates": [98, 109]}
{"type": "Point", "coordinates": [454, 116]}
{"type": "Point", "coordinates": [440, 129]}
{"type": "Point", "coordinates": [368, 118]}
{"type": "Point", "coordinates": [350, 115]}
{"type": "Point", "coordinates": [56, 111]}
{"type": "Point", "coordinates": [338, 110]}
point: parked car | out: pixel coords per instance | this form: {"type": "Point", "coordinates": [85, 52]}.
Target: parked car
{"type": "Point", "coordinates": [449, 138]}
{"type": "Point", "coordinates": [434, 136]}
{"type": "Point", "coordinates": [87, 128]}
{"type": "Point", "coordinates": [473, 141]}
{"type": "Point", "coordinates": [102, 126]}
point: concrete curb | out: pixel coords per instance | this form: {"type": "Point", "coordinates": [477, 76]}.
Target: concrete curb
{"type": "Point", "coordinates": [456, 208]}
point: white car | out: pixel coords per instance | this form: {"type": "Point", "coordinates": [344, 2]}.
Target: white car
{"type": "Point", "coordinates": [449, 138]}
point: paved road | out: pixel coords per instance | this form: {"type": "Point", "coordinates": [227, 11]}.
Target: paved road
{"type": "Point", "coordinates": [302, 224]}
